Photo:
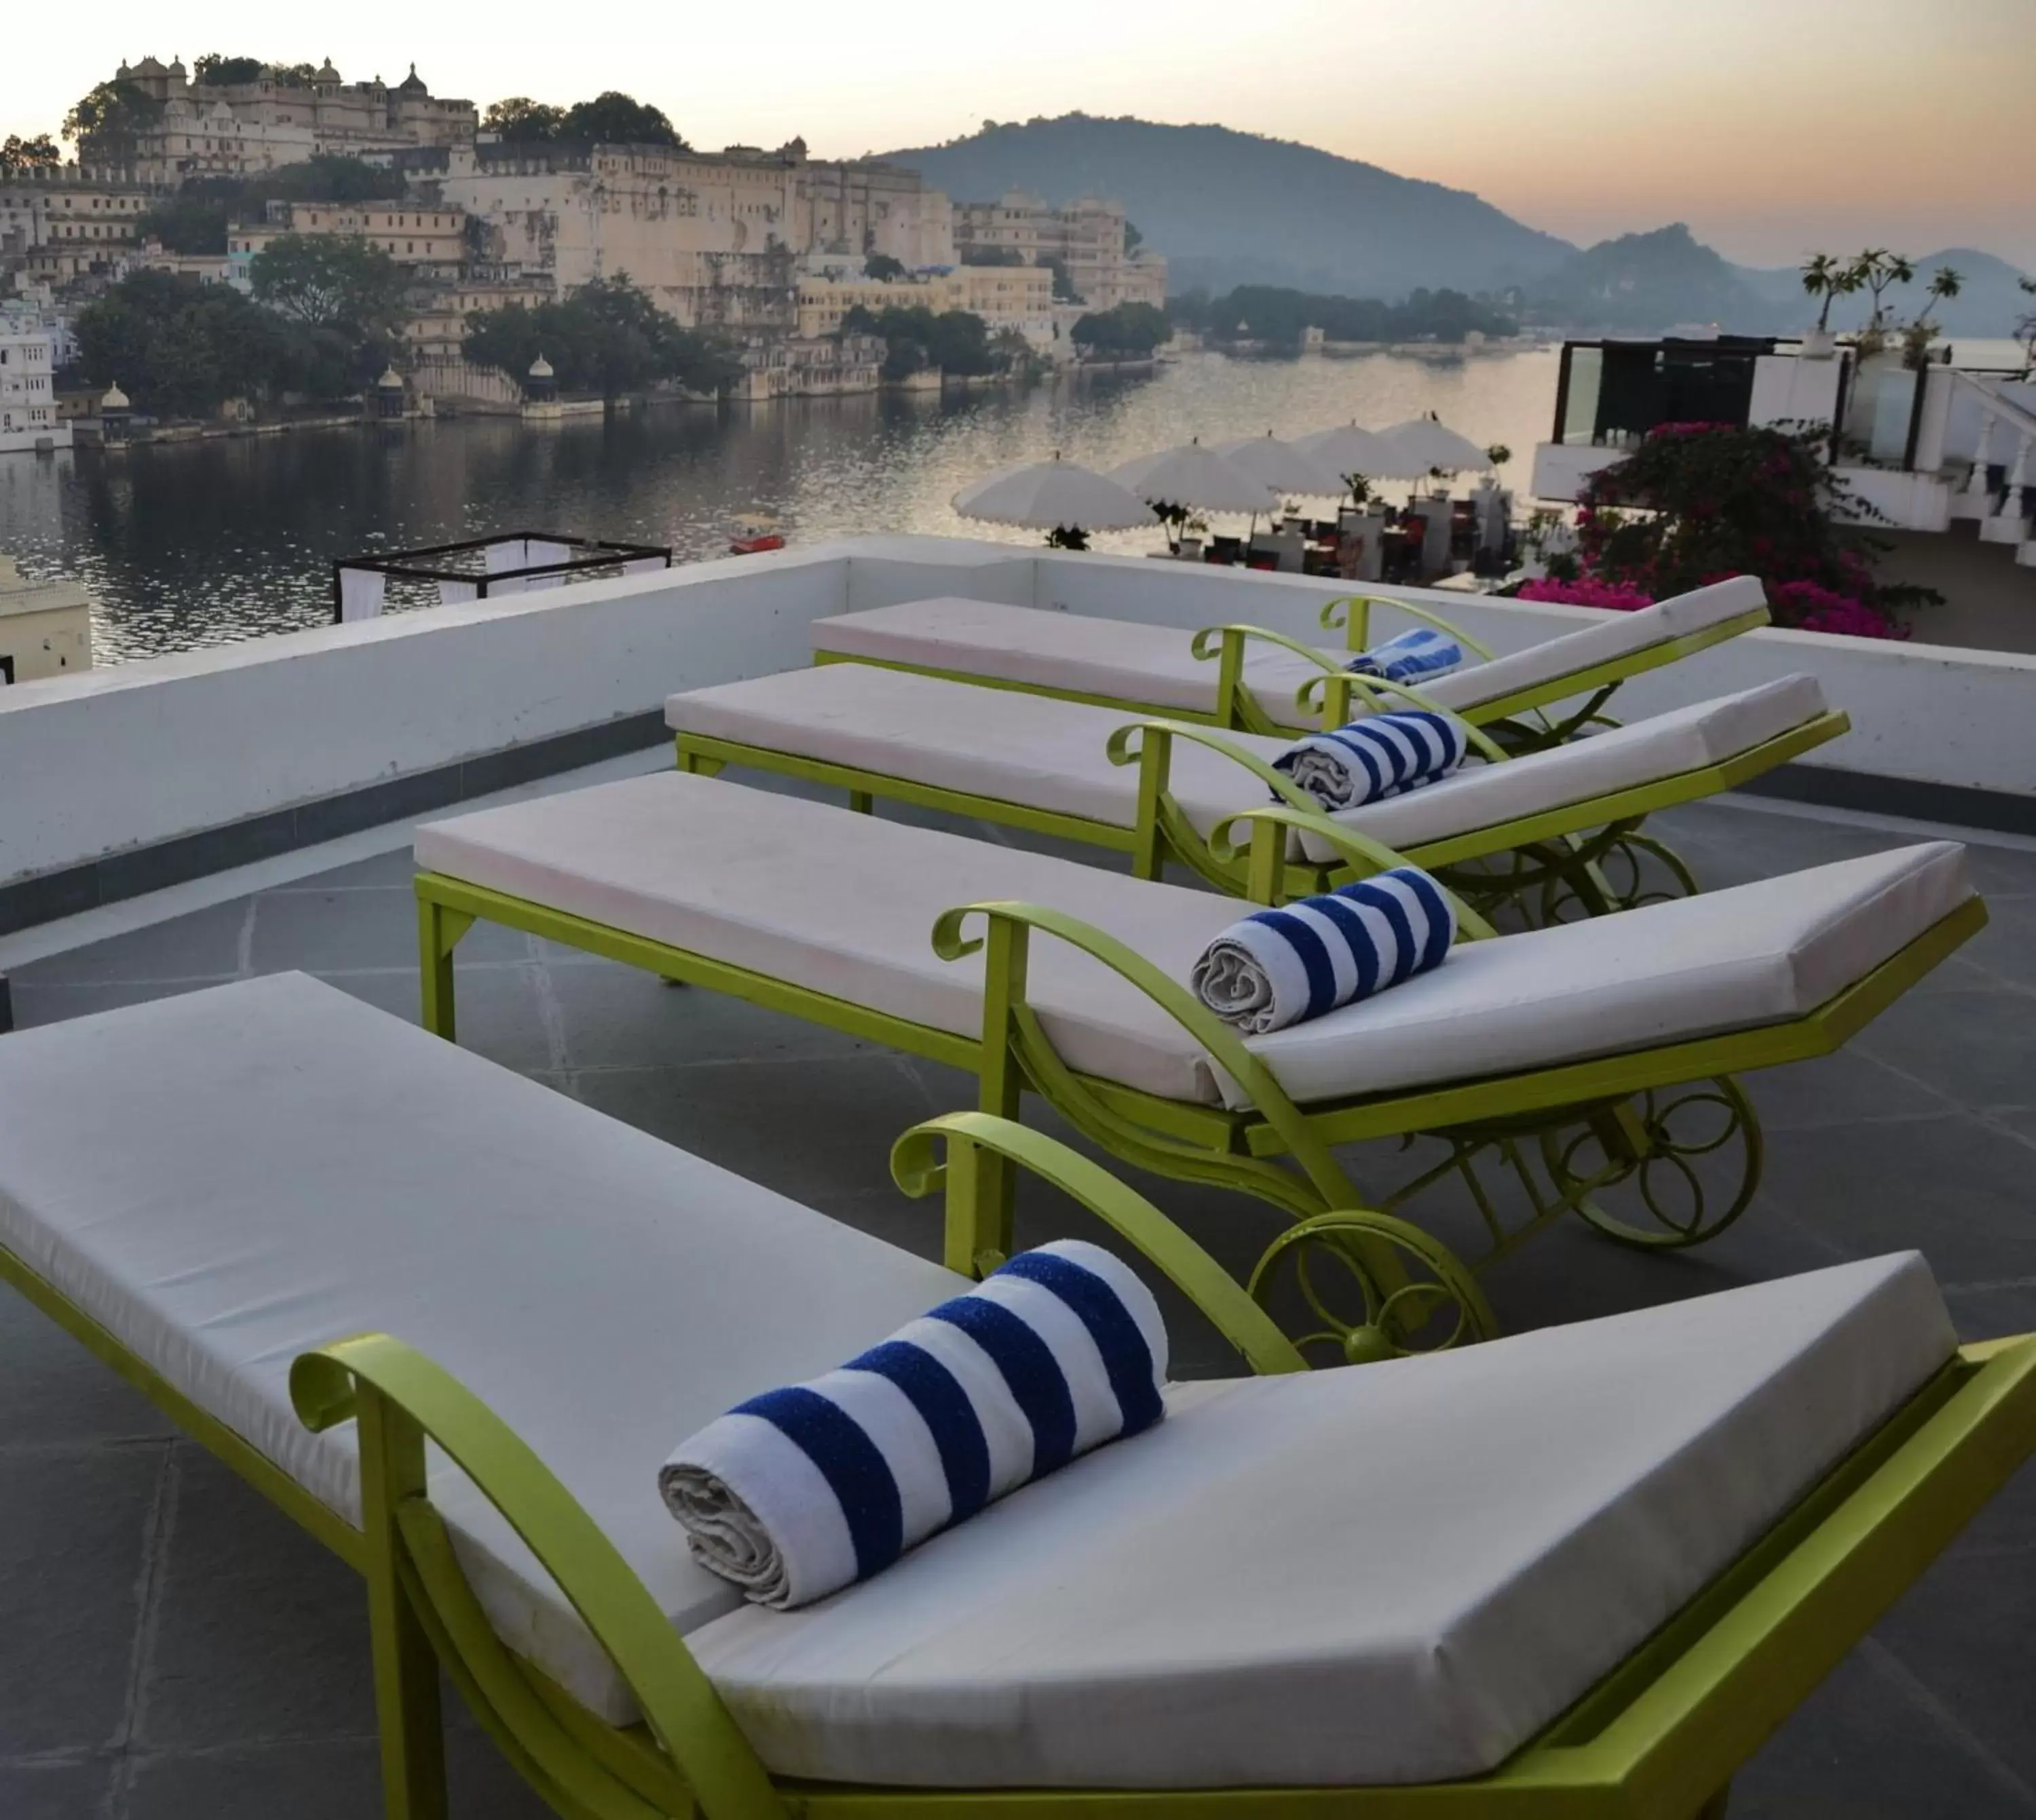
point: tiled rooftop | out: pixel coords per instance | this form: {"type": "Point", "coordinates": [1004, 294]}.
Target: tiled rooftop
{"type": "Point", "coordinates": [172, 1646]}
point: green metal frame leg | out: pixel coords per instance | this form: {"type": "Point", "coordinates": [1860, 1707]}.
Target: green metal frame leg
{"type": "Point", "coordinates": [439, 931]}
{"type": "Point", "coordinates": [406, 1669]}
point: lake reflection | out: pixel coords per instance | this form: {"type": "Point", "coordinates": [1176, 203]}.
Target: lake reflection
{"type": "Point", "coordinates": [202, 544]}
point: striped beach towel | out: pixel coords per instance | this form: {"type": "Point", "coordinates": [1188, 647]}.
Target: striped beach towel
{"type": "Point", "coordinates": [1379, 756]}
{"type": "Point", "coordinates": [802, 1491]}
{"type": "Point", "coordinates": [1279, 967]}
{"type": "Point", "coordinates": [1423, 652]}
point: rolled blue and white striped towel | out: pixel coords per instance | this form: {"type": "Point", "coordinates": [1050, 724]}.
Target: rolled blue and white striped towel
{"type": "Point", "coordinates": [1423, 652]}
{"type": "Point", "coordinates": [1379, 756]}
{"type": "Point", "coordinates": [1282, 966]}
{"type": "Point", "coordinates": [800, 1492]}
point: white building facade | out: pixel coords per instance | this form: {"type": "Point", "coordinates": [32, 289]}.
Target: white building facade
{"type": "Point", "coordinates": [28, 390]}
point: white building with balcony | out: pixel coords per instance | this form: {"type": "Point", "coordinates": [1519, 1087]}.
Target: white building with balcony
{"type": "Point", "coordinates": [1938, 461]}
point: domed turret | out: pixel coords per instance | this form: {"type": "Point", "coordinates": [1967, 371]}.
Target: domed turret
{"type": "Point", "coordinates": [326, 75]}
{"type": "Point", "coordinates": [116, 399]}
{"type": "Point", "coordinates": [412, 83]}
{"type": "Point", "coordinates": [541, 385]}
{"type": "Point", "coordinates": [540, 368]}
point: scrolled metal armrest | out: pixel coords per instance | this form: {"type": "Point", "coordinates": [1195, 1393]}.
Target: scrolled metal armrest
{"type": "Point", "coordinates": [1126, 745]}
{"type": "Point", "coordinates": [1208, 642]}
{"type": "Point", "coordinates": [679, 1704]}
{"type": "Point", "coordinates": [916, 1167]}
{"type": "Point", "coordinates": [1331, 622]}
{"type": "Point", "coordinates": [1360, 851]}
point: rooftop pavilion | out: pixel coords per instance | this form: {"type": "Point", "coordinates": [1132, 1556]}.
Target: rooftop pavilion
{"type": "Point", "coordinates": [172, 1646]}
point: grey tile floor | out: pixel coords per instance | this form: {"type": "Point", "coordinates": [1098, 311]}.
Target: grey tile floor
{"type": "Point", "coordinates": [170, 1646]}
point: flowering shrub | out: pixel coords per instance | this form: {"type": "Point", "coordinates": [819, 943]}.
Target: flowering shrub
{"type": "Point", "coordinates": [1698, 503]}
{"type": "Point", "coordinates": [1585, 592]}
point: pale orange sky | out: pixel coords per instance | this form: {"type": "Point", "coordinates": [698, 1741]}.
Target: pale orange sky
{"type": "Point", "coordinates": [1773, 129]}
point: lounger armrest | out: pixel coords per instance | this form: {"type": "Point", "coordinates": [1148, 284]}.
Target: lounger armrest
{"type": "Point", "coordinates": [1352, 615]}
{"type": "Point", "coordinates": [1330, 694]}
{"type": "Point", "coordinates": [1151, 741]}
{"type": "Point", "coordinates": [1263, 852]}
{"type": "Point", "coordinates": [1222, 1044]}
{"type": "Point", "coordinates": [916, 1165]}
{"type": "Point", "coordinates": [406, 1397]}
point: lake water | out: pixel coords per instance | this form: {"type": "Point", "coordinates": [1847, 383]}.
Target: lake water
{"type": "Point", "coordinates": [201, 544]}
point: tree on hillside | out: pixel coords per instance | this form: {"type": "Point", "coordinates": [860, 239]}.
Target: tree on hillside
{"type": "Point", "coordinates": [610, 118]}
{"type": "Point", "coordinates": [520, 120]}
{"type": "Point", "coordinates": [189, 222]}
{"type": "Point", "coordinates": [40, 153]}
{"type": "Point", "coordinates": [195, 219]}
{"type": "Point", "coordinates": [222, 71]}
{"type": "Point", "coordinates": [884, 268]}
{"type": "Point", "coordinates": [991, 256]}
{"type": "Point", "coordinates": [326, 177]}
{"type": "Point", "coordinates": [1133, 239]}
{"type": "Point", "coordinates": [956, 341]}
{"type": "Point", "coordinates": [106, 124]}
{"type": "Point", "coordinates": [330, 281]}
{"type": "Point", "coordinates": [607, 336]}
{"type": "Point", "coordinates": [1064, 286]}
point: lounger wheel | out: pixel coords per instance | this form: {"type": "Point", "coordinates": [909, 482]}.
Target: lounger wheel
{"type": "Point", "coordinates": [1333, 1261]}
{"type": "Point", "coordinates": [1653, 1148]}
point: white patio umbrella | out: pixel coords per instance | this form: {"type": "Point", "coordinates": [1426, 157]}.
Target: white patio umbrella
{"type": "Point", "coordinates": [1435, 445]}
{"type": "Point", "coordinates": [1281, 466]}
{"type": "Point", "coordinates": [1053, 495]}
{"type": "Point", "coordinates": [1352, 449]}
{"type": "Point", "coordinates": [1195, 477]}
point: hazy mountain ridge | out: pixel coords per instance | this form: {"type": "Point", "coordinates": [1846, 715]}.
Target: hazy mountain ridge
{"type": "Point", "coordinates": [1229, 209]}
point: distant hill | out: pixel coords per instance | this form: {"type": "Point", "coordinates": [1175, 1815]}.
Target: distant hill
{"type": "Point", "coordinates": [1229, 208]}
{"type": "Point", "coordinates": [1653, 281]}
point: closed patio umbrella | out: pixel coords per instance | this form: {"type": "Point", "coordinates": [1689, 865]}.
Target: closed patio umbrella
{"type": "Point", "coordinates": [1053, 495]}
{"type": "Point", "coordinates": [1282, 466]}
{"type": "Point", "coordinates": [1350, 449]}
{"type": "Point", "coordinates": [1195, 476]}
{"type": "Point", "coordinates": [1435, 445]}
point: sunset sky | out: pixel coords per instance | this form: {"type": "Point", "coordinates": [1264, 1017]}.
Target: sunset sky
{"type": "Point", "coordinates": [1772, 128]}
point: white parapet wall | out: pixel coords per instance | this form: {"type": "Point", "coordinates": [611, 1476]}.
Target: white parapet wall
{"type": "Point", "coordinates": [94, 765]}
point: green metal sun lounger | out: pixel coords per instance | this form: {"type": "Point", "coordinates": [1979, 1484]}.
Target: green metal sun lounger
{"type": "Point", "coordinates": [1588, 1065]}
{"type": "Point", "coordinates": [1686, 1515]}
{"type": "Point", "coordinates": [1547, 829]}
{"type": "Point", "coordinates": [1260, 681]}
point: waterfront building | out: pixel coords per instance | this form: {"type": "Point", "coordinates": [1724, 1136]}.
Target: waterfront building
{"type": "Point", "coordinates": [1006, 297]}
{"type": "Point", "coordinates": [45, 628]}
{"type": "Point", "coordinates": [1088, 238]}
{"type": "Point", "coordinates": [873, 207]}
{"type": "Point", "coordinates": [715, 238]}
{"type": "Point", "coordinates": [27, 387]}
{"type": "Point", "coordinates": [810, 367]}
{"type": "Point", "coordinates": [710, 236]}
{"type": "Point", "coordinates": [431, 242]}
{"type": "Point", "coordinates": [239, 128]}
{"type": "Point", "coordinates": [437, 330]}
{"type": "Point", "coordinates": [59, 225]}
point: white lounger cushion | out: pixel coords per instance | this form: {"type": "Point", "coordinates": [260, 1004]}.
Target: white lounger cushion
{"type": "Point", "coordinates": [1391, 1574]}
{"type": "Point", "coordinates": [226, 1179]}
{"type": "Point", "coordinates": [1690, 739]}
{"type": "Point", "coordinates": [1081, 654]}
{"type": "Point", "coordinates": [845, 905]}
{"type": "Point", "coordinates": [1048, 754]}
{"type": "Point", "coordinates": [229, 1178]}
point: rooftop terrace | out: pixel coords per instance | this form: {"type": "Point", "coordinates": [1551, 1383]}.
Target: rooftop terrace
{"type": "Point", "coordinates": [172, 1646]}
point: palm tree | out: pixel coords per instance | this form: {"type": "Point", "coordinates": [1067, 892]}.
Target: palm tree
{"type": "Point", "coordinates": [1831, 279]}
{"type": "Point", "coordinates": [1877, 268]}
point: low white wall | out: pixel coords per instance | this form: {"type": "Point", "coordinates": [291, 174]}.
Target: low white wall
{"type": "Point", "coordinates": [139, 753]}
{"type": "Point", "coordinates": [92, 764]}
{"type": "Point", "coordinates": [1930, 713]}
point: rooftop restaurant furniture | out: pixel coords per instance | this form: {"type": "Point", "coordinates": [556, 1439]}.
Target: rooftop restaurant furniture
{"type": "Point", "coordinates": [1584, 1065]}
{"type": "Point", "coordinates": [450, 1321]}
{"type": "Point", "coordinates": [1567, 817]}
{"type": "Point", "coordinates": [1262, 682]}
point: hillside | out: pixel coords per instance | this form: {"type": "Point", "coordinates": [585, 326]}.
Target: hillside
{"type": "Point", "coordinates": [1229, 208]}
{"type": "Point", "coordinates": [1652, 281]}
